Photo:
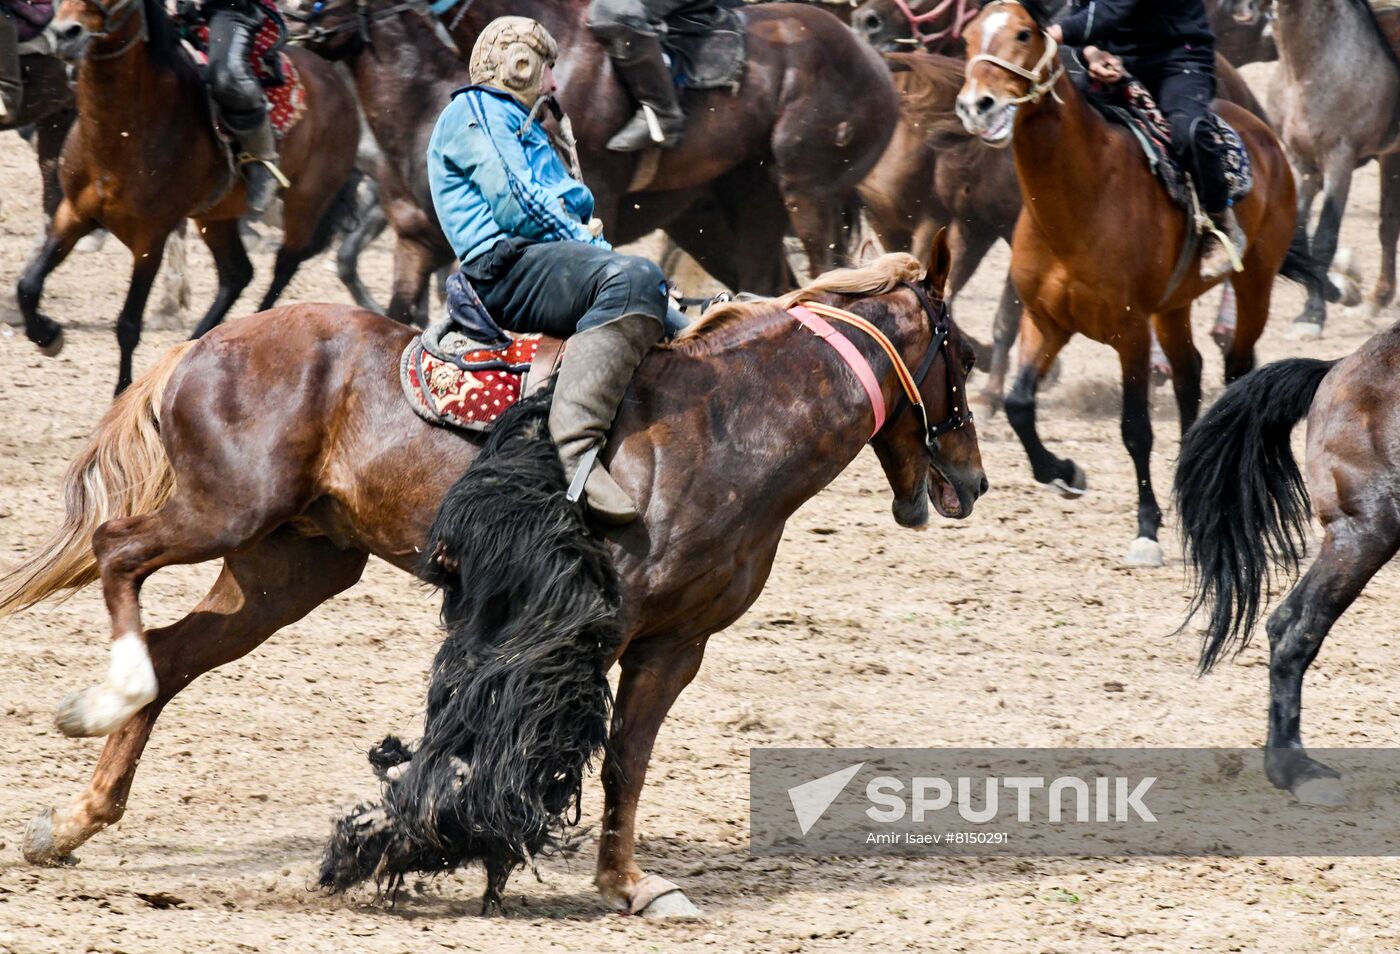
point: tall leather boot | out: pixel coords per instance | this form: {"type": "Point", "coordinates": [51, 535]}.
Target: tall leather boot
{"type": "Point", "coordinates": [11, 79]}
{"type": "Point", "coordinates": [641, 65]}
{"type": "Point", "coordinates": [258, 163]}
{"type": "Point", "coordinates": [598, 366]}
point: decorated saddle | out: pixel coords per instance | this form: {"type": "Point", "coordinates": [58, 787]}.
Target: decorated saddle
{"type": "Point", "coordinates": [281, 80]}
{"type": "Point", "coordinates": [464, 371]}
{"type": "Point", "coordinates": [1130, 105]}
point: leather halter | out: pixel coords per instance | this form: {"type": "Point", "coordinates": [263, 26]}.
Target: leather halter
{"type": "Point", "coordinates": [962, 16]}
{"type": "Point", "coordinates": [1039, 87]}
{"type": "Point", "coordinates": [958, 416]}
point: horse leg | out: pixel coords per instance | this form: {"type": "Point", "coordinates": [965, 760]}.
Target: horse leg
{"type": "Point", "coordinates": [1038, 351]}
{"type": "Point", "coordinates": [259, 591]}
{"type": "Point", "coordinates": [1355, 546]}
{"type": "Point", "coordinates": [69, 225]}
{"type": "Point", "coordinates": [1253, 292]}
{"type": "Point", "coordinates": [1004, 327]}
{"type": "Point", "coordinates": [967, 248]}
{"type": "Point", "coordinates": [1384, 290]}
{"type": "Point", "coordinates": [816, 218]}
{"type": "Point", "coordinates": [50, 136]}
{"type": "Point", "coordinates": [651, 680]}
{"type": "Point", "coordinates": [413, 264]}
{"type": "Point", "coordinates": [1336, 172]}
{"type": "Point", "coordinates": [1174, 335]}
{"type": "Point", "coordinates": [146, 256]}
{"type": "Point", "coordinates": [1135, 360]}
{"type": "Point", "coordinates": [347, 258]}
{"type": "Point", "coordinates": [234, 269]}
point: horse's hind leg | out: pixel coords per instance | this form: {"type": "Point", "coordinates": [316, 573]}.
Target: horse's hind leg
{"type": "Point", "coordinates": [146, 255]}
{"type": "Point", "coordinates": [1135, 359]}
{"type": "Point", "coordinates": [1174, 335]}
{"type": "Point", "coordinates": [1337, 172]}
{"type": "Point", "coordinates": [309, 221]}
{"type": "Point", "coordinates": [1253, 291]}
{"type": "Point", "coordinates": [1384, 290]}
{"type": "Point", "coordinates": [1038, 350]}
{"type": "Point", "coordinates": [1354, 548]}
{"type": "Point", "coordinates": [69, 225]}
{"type": "Point", "coordinates": [231, 262]}
{"type": "Point", "coordinates": [259, 591]}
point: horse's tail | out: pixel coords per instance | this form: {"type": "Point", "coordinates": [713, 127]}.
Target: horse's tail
{"type": "Point", "coordinates": [518, 701]}
{"type": "Point", "coordinates": [121, 471]}
{"type": "Point", "coordinates": [1300, 266]}
{"type": "Point", "coordinates": [1241, 499]}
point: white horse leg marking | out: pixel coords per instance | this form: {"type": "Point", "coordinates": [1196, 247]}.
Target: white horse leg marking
{"type": "Point", "coordinates": [130, 687]}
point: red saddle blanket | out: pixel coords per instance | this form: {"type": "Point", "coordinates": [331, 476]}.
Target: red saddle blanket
{"type": "Point", "coordinates": [286, 101]}
{"type": "Point", "coordinates": [471, 392]}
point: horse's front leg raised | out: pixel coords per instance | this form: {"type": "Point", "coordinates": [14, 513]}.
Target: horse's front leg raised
{"type": "Point", "coordinates": [69, 225]}
{"type": "Point", "coordinates": [259, 591]}
{"type": "Point", "coordinates": [1039, 348]}
{"type": "Point", "coordinates": [652, 678]}
{"type": "Point", "coordinates": [1135, 359]}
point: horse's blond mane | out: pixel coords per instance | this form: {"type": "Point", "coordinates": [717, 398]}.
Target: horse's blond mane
{"type": "Point", "coordinates": [880, 276]}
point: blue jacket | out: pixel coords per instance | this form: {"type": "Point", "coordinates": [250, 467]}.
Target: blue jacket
{"type": "Point", "coordinates": [489, 182]}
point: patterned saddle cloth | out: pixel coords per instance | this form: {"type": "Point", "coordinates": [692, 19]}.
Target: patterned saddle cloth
{"type": "Point", "coordinates": [466, 384]}
{"type": "Point", "coordinates": [281, 80]}
{"type": "Point", "coordinates": [1129, 104]}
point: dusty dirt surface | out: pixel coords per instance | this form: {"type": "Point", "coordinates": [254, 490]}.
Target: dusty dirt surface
{"type": "Point", "coordinates": [1015, 628]}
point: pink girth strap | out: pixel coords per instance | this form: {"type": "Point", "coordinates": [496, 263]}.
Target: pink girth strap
{"type": "Point", "coordinates": [850, 354]}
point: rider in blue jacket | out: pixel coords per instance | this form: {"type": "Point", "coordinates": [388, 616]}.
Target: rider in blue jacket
{"type": "Point", "coordinates": [523, 230]}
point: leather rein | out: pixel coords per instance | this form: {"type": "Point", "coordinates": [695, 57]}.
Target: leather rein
{"type": "Point", "coordinates": [813, 316]}
{"type": "Point", "coordinates": [964, 13]}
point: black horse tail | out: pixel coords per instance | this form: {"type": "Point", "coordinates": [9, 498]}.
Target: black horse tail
{"type": "Point", "coordinates": [1242, 502]}
{"type": "Point", "coordinates": [1300, 266]}
{"type": "Point", "coordinates": [518, 701]}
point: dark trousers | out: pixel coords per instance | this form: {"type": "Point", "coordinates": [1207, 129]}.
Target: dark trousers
{"type": "Point", "coordinates": [11, 81]}
{"type": "Point", "coordinates": [231, 80]}
{"type": "Point", "coordinates": [613, 21]}
{"type": "Point", "coordinates": [1184, 87]}
{"type": "Point", "coordinates": [558, 288]}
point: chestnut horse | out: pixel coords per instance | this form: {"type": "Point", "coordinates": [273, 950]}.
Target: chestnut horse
{"type": "Point", "coordinates": [295, 479]}
{"type": "Point", "coordinates": [144, 156]}
{"type": "Point", "coordinates": [1097, 246]}
{"type": "Point", "coordinates": [1245, 513]}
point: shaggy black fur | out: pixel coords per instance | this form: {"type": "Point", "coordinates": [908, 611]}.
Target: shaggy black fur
{"type": "Point", "coordinates": [518, 700]}
{"type": "Point", "coordinates": [1242, 502]}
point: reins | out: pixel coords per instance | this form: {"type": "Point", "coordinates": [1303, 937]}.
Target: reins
{"type": "Point", "coordinates": [1039, 87]}
{"type": "Point", "coordinates": [813, 315]}
{"type": "Point", "coordinates": [110, 25]}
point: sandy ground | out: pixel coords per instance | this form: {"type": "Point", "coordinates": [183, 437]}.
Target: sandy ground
{"type": "Point", "coordinates": [1016, 628]}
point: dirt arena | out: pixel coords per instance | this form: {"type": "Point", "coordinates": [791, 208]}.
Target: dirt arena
{"type": "Point", "coordinates": [1017, 627]}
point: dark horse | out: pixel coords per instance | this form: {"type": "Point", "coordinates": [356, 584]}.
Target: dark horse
{"type": "Point", "coordinates": [1079, 257]}
{"type": "Point", "coordinates": [294, 480]}
{"type": "Point", "coordinates": [144, 156]}
{"type": "Point", "coordinates": [50, 107]}
{"type": "Point", "coordinates": [1245, 512]}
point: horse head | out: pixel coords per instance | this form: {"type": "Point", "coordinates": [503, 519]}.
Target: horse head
{"type": "Point", "coordinates": [931, 453]}
{"type": "Point", "coordinates": [77, 23]}
{"type": "Point", "coordinates": [1011, 60]}
{"type": "Point", "coordinates": [1247, 12]}
{"type": "Point", "coordinates": [892, 25]}
{"type": "Point", "coordinates": [333, 29]}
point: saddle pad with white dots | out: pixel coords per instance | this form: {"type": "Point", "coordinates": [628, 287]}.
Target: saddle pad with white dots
{"type": "Point", "coordinates": [471, 391]}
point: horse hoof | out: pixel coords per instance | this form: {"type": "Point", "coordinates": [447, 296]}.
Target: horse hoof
{"type": "Point", "coordinates": [52, 349]}
{"type": "Point", "coordinates": [1223, 336]}
{"type": "Point", "coordinates": [1077, 485]}
{"type": "Point", "coordinates": [1321, 792]}
{"type": "Point", "coordinates": [1305, 331]}
{"type": "Point", "coordinates": [93, 712]}
{"type": "Point", "coordinates": [1346, 288]}
{"type": "Point", "coordinates": [1143, 552]}
{"type": "Point", "coordinates": [655, 897]}
{"type": "Point", "coordinates": [39, 846]}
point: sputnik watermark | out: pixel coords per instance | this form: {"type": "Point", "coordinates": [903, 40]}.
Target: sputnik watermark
{"type": "Point", "coordinates": [1058, 802]}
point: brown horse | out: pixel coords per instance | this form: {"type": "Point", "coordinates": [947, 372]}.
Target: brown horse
{"type": "Point", "coordinates": [1245, 513]}
{"type": "Point", "coordinates": [295, 479]}
{"type": "Point", "coordinates": [935, 174]}
{"type": "Point", "coordinates": [49, 106]}
{"type": "Point", "coordinates": [144, 156]}
{"type": "Point", "coordinates": [1097, 250]}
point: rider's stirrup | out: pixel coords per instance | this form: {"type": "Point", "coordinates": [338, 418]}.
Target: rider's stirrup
{"type": "Point", "coordinates": [271, 166]}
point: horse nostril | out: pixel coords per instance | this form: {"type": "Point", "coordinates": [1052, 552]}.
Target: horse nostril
{"type": "Point", "coordinates": [68, 31]}
{"type": "Point", "coordinates": [985, 104]}
{"type": "Point", "coordinates": [871, 22]}
{"type": "Point", "coordinates": [983, 487]}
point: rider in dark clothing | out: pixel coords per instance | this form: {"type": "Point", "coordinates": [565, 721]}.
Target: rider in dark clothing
{"type": "Point", "coordinates": [630, 31]}
{"type": "Point", "coordinates": [239, 95]}
{"type": "Point", "coordinates": [20, 21]}
{"type": "Point", "coordinates": [1168, 46]}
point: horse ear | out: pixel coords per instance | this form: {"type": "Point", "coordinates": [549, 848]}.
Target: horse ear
{"type": "Point", "coordinates": [939, 265]}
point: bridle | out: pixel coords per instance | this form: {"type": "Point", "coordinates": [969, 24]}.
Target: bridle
{"type": "Point", "coordinates": [963, 13]}
{"type": "Point", "coordinates": [1039, 87]}
{"type": "Point", "coordinates": [364, 18]}
{"type": "Point", "coordinates": [958, 417]}
{"type": "Point", "coordinates": [116, 17]}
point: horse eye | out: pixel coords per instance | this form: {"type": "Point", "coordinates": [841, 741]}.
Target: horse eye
{"type": "Point", "coordinates": [1023, 37]}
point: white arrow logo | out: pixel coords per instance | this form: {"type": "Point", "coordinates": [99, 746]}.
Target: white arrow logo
{"type": "Point", "coordinates": [810, 800]}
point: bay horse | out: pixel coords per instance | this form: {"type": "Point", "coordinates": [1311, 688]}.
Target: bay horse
{"type": "Point", "coordinates": [295, 479]}
{"type": "Point", "coordinates": [1245, 515]}
{"type": "Point", "coordinates": [811, 117]}
{"type": "Point", "coordinates": [1081, 257]}
{"type": "Point", "coordinates": [144, 156]}
{"type": "Point", "coordinates": [1325, 48]}
{"type": "Point", "coordinates": [935, 174]}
